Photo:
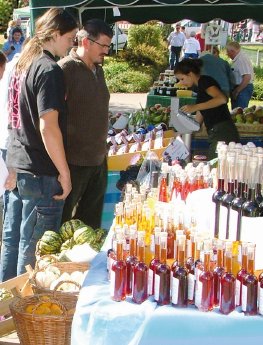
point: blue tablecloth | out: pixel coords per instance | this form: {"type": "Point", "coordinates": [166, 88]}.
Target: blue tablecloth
{"type": "Point", "coordinates": [100, 321]}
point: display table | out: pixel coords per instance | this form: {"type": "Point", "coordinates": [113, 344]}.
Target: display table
{"type": "Point", "coordinates": [100, 321]}
{"type": "Point", "coordinates": [165, 101]}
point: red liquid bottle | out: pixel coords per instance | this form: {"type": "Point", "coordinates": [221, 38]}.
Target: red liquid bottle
{"type": "Point", "coordinates": [219, 193]}
{"type": "Point", "coordinates": [190, 265]}
{"type": "Point", "coordinates": [204, 293]}
{"type": "Point", "coordinates": [259, 178]}
{"type": "Point", "coordinates": [228, 283]}
{"type": "Point", "coordinates": [180, 278]}
{"type": "Point", "coordinates": [163, 191]}
{"type": "Point", "coordinates": [140, 285]}
{"type": "Point", "coordinates": [250, 285]}
{"type": "Point", "coordinates": [162, 275]}
{"type": "Point", "coordinates": [241, 274]}
{"type": "Point", "coordinates": [118, 273]}
{"type": "Point", "coordinates": [131, 261]}
{"type": "Point", "coordinates": [218, 272]}
{"type": "Point", "coordinates": [155, 261]}
{"type": "Point", "coordinates": [260, 294]}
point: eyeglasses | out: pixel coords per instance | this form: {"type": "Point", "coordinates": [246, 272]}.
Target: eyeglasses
{"type": "Point", "coordinates": [99, 44]}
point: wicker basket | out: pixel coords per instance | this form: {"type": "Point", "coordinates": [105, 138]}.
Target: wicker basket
{"type": "Point", "coordinates": [247, 128]}
{"type": "Point", "coordinates": [67, 267]}
{"type": "Point", "coordinates": [35, 329]}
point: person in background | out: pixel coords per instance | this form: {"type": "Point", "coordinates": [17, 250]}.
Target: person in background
{"type": "Point", "coordinates": [183, 30]}
{"type": "Point", "coordinates": [175, 41]}
{"type": "Point", "coordinates": [255, 31]}
{"type": "Point", "coordinates": [211, 104]}
{"type": "Point", "coordinates": [35, 151]}
{"type": "Point", "coordinates": [88, 105]}
{"type": "Point", "coordinates": [10, 27]}
{"type": "Point", "coordinates": [10, 48]}
{"type": "Point", "coordinates": [2, 64]}
{"type": "Point", "coordinates": [191, 47]}
{"type": "Point", "coordinates": [243, 76]}
{"type": "Point", "coordinates": [249, 29]}
{"type": "Point", "coordinates": [219, 69]}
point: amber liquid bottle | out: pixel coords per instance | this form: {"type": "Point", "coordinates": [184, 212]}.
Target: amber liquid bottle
{"type": "Point", "coordinates": [155, 261]}
{"type": "Point", "coordinates": [228, 283]}
{"type": "Point", "coordinates": [140, 284]}
{"type": "Point", "coordinates": [131, 261]}
{"type": "Point", "coordinates": [241, 274]}
{"type": "Point", "coordinates": [218, 272]}
{"type": "Point", "coordinates": [118, 273]}
{"type": "Point", "coordinates": [250, 285]}
{"type": "Point", "coordinates": [204, 293]}
{"type": "Point", "coordinates": [260, 294]}
{"type": "Point", "coordinates": [162, 275]}
{"type": "Point", "coordinates": [180, 278]}
{"type": "Point", "coordinates": [219, 193]}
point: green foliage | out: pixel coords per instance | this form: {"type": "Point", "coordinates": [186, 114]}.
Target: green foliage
{"type": "Point", "coordinates": [114, 67]}
{"type": "Point", "coordinates": [6, 10]}
{"type": "Point", "coordinates": [129, 81]}
{"type": "Point", "coordinates": [147, 34]}
{"type": "Point", "coordinates": [258, 89]}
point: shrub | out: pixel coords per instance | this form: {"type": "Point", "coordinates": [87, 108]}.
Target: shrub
{"type": "Point", "coordinates": [258, 89]}
{"type": "Point", "coordinates": [114, 67]}
{"type": "Point", "coordinates": [150, 35]}
{"type": "Point", "coordinates": [129, 81]}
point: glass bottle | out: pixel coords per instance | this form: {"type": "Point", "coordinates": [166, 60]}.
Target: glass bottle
{"type": "Point", "coordinates": [170, 239]}
{"type": "Point", "coordinates": [228, 283]}
{"type": "Point", "coordinates": [229, 196]}
{"type": "Point", "coordinates": [238, 201]}
{"type": "Point", "coordinates": [140, 284]}
{"type": "Point", "coordinates": [180, 278]}
{"type": "Point", "coordinates": [218, 272]}
{"type": "Point", "coordinates": [250, 208]}
{"type": "Point", "coordinates": [163, 190]}
{"type": "Point", "coordinates": [190, 265]}
{"type": "Point", "coordinates": [241, 274]}
{"type": "Point", "coordinates": [155, 261]}
{"type": "Point", "coordinates": [218, 194]}
{"type": "Point", "coordinates": [118, 272]}
{"type": "Point", "coordinates": [260, 294]}
{"type": "Point", "coordinates": [259, 178]}
{"type": "Point", "coordinates": [162, 275]}
{"type": "Point", "coordinates": [204, 293]}
{"type": "Point", "coordinates": [131, 260]}
{"type": "Point", "coordinates": [250, 284]}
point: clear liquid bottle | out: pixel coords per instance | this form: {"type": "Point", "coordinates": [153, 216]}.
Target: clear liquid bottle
{"type": "Point", "coordinates": [131, 260]}
{"type": "Point", "coordinates": [228, 283]}
{"type": "Point", "coordinates": [180, 278]}
{"type": "Point", "coordinates": [118, 272]}
{"type": "Point", "coordinates": [250, 285]}
{"type": "Point", "coordinates": [220, 191]}
{"type": "Point", "coordinates": [140, 284]}
{"type": "Point", "coordinates": [218, 272]}
{"type": "Point", "coordinates": [242, 273]}
{"type": "Point", "coordinates": [155, 261]}
{"type": "Point", "coordinates": [162, 275]}
{"type": "Point", "coordinates": [229, 196]}
{"type": "Point", "coordinates": [204, 293]}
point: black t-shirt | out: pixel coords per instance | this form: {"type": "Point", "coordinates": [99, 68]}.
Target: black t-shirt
{"type": "Point", "coordinates": [214, 115]}
{"type": "Point", "coordinates": [39, 91]}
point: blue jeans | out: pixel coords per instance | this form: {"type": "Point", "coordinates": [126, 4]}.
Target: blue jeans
{"type": "Point", "coordinates": [243, 97]}
{"type": "Point", "coordinates": [174, 56]}
{"type": "Point", "coordinates": [29, 212]}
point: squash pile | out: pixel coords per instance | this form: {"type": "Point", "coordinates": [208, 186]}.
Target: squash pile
{"type": "Point", "coordinates": [71, 233]}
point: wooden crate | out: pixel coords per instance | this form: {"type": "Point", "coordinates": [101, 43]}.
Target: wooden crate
{"type": "Point", "coordinates": [19, 286]}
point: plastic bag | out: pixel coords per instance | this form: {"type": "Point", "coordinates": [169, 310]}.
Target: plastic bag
{"type": "Point", "coordinates": [150, 164]}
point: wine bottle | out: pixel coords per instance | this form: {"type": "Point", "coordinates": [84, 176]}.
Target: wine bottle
{"type": "Point", "coordinates": [259, 178]}
{"type": "Point", "coordinates": [241, 274]}
{"type": "Point", "coordinates": [131, 260]}
{"type": "Point", "coordinates": [162, 275]}
{"type": "Point", "coordinates": [218, 272]}
{"type": "Point", "coordinates": [228, 283]}
{"type": "Point", "coordinates": [140, 284]}
{"type": "Point", "coordinates": [118, 272]}
{"type": "Point", "coordinates": [155, 261]}
{"type": "Point", "coordinates": [250, 285]}
{"type": "Point", "coordinates": [180, 278]}
{"type": "Point", "coordinates": [220, 191]}
{"type": "Point", "coordinates": [204, 293]}
{"type": "Point", "coordinates": [250, 208]}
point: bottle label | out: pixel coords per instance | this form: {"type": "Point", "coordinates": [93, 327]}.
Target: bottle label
{"type": "Point", "coordinates": [150, 282]}
{"type": "Point", "coordinates": [198, 293]}
{"type": "Point", "coordinates": [191, 286]}
{"type": "Point", "coordinates": [156, 287]}
{"type": "Point", "coordinates": [175, 287]}
{"type": "Point", "coordinates": [244, 297]}
{"type": "Point", "coordinates": [222, 222]}
{"type": "Point", "coordinates": [238, 287]}
{"type": "Point", "coordinates": [112, 283]}
{"type": "Point", "coordinates": [233, 225]}
{"type": "Point", "coordinates": [152, 243]}
{"type": "Point", "coordinates": [260, 301]}
{"type": "Point", "coordinates": [188, 248]}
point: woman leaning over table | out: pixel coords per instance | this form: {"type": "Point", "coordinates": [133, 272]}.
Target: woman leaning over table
{"type": "Point", "coordinates": [37, 113]}
{"type": "Point", "coordinates": [211, 104]}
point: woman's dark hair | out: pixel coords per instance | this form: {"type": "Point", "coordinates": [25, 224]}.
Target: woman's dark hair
{"type": "Point", "coordinates": [2, 58]}
{"type": "Point", "coordinates": [189, 65]}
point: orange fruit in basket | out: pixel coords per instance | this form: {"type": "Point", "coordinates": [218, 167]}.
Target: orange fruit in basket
{"type": "Point", "coordinates": [29, 309]}
{"type": "Point", "coordinates": [43, 309]}
{"type": "Point", "coordinates": [55, 309]}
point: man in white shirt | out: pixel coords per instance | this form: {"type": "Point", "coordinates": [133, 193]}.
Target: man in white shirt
{"type": "Point", "coordinates": [243, 74]}
{"type": "Point", "coordinates": [176, 41]}
{"type": "Point", "coordinates": [191, 47]}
